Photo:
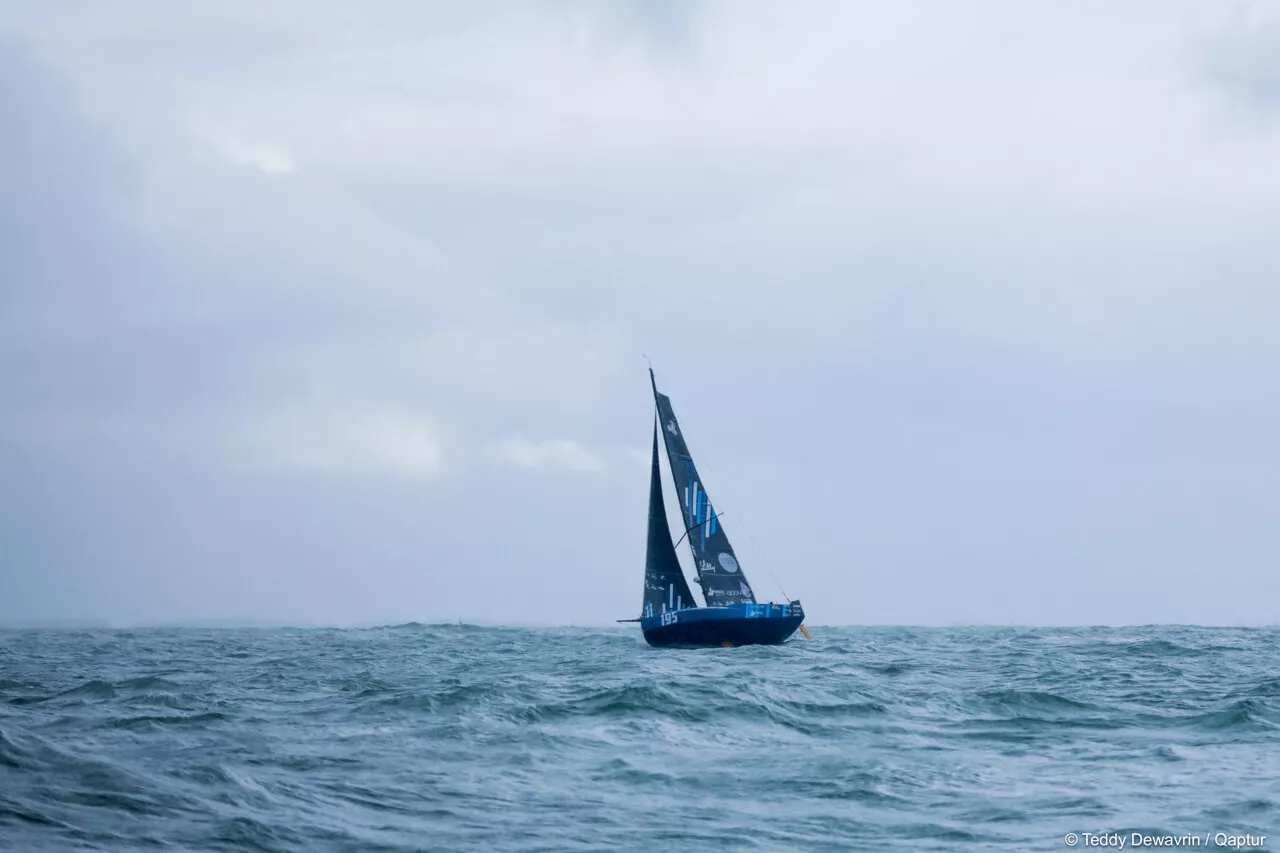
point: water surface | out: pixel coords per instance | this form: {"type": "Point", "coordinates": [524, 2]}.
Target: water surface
{"type": "Point", "coordinates": [460, 738]}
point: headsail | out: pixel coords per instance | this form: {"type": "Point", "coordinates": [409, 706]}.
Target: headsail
{"type": "Point", "coordinates": [719, 574]}
{"type": "Point", "coordinates": [664, 585]}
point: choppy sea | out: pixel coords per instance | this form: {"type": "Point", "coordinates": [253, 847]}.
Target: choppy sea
{"type": "Point", "coordinates": [448, 737]}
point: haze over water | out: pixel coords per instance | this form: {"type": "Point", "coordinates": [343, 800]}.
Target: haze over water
{"type": "Point", "coordinates": [449, 737]}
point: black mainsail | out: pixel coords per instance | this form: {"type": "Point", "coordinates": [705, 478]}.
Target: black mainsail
{"type": "Point", "coordinates": [664, 584]}
{"type": "Point", "coordinates": [719, 574]}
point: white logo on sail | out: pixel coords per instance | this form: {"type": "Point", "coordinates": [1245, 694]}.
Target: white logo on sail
{"type": "Point", "coordinates": [671, 428]}
{"type": "Point", "coordinates": [727, 563]}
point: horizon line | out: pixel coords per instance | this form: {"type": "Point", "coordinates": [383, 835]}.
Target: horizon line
{"type": "Point", "coordinates": [233, 623]}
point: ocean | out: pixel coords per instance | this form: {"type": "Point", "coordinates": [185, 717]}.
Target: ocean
{"type": "Point", "coordinates": [452, 737]}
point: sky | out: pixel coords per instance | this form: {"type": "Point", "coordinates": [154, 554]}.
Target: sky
{"type": "Point", "coordinates": [337, 314]}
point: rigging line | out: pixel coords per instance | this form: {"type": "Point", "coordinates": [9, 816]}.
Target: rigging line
{"type": "Point", "coordinates": [695, 527]}
{"type": "Point", "coordinates": [745, 526]}
{"type": "Point", "coordinates": [760, 556]}
{"type": "Point", "coordinates": [767, 565]}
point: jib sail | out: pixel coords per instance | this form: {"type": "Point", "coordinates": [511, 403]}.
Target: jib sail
{"type": "Point", "coordinates": [665, 588]}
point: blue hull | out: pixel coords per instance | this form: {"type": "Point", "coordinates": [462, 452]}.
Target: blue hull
{"type": "Point", "coordinates": [735, 625]}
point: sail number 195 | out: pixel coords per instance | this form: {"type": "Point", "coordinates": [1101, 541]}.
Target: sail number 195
{"type": "Point", "coordinates": [669, 619]}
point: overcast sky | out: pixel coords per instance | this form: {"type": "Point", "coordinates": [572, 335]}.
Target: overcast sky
{"type": "Point", "coordinates": [335, 313]}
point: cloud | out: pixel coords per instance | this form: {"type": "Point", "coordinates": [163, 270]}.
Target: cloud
{"type": "Point", "coordinates": [266, 158]}
{"type": "Point", "coordinates": [1242, 58]}
{"type": "Point", "coordinates": [334, 441]}
{"type": "Point", "coordinates": [557, 453]}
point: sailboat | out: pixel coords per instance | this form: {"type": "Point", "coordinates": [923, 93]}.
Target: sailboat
{"type": "Point", "coordinates": [670, 616]}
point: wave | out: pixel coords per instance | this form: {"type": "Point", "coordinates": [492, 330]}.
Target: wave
{"type": "Point", "coordinates": [149, 720]}
{"type": "Point", "coordinates": [13, 811]}
{"type": "Point", "coordinates": [95, 689]}
{"type": "Point", "coordinates": [639, 700]}
{"type": "Point", "coordinates": [1265, 689]}
{"type": "Point", "coordinates": [1244, 714]}
{"type": "Point", "coordinates": [1033, 700]}
{"type": "Point", "coordinates": [10, 754]}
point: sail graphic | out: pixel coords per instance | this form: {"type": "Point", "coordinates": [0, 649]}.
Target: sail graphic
{"type": "Point", "coordinates": [665, 588]}
{"type": "Point", "coordinates": [719, 574]}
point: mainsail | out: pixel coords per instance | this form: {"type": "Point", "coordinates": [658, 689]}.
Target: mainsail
{"type": "Point", "coordinates": [721, 578]}
{"type": "Point", "coordinates": [664, 584]}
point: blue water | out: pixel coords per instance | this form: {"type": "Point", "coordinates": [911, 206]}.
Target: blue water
{"type": "Point", "coordinates": [459, 738]}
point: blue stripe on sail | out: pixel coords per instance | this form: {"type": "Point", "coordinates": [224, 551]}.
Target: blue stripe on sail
{"type": "Point", "coordinates": [702, 530]}
{"type": "Point", "coordinates": [698, 511]}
